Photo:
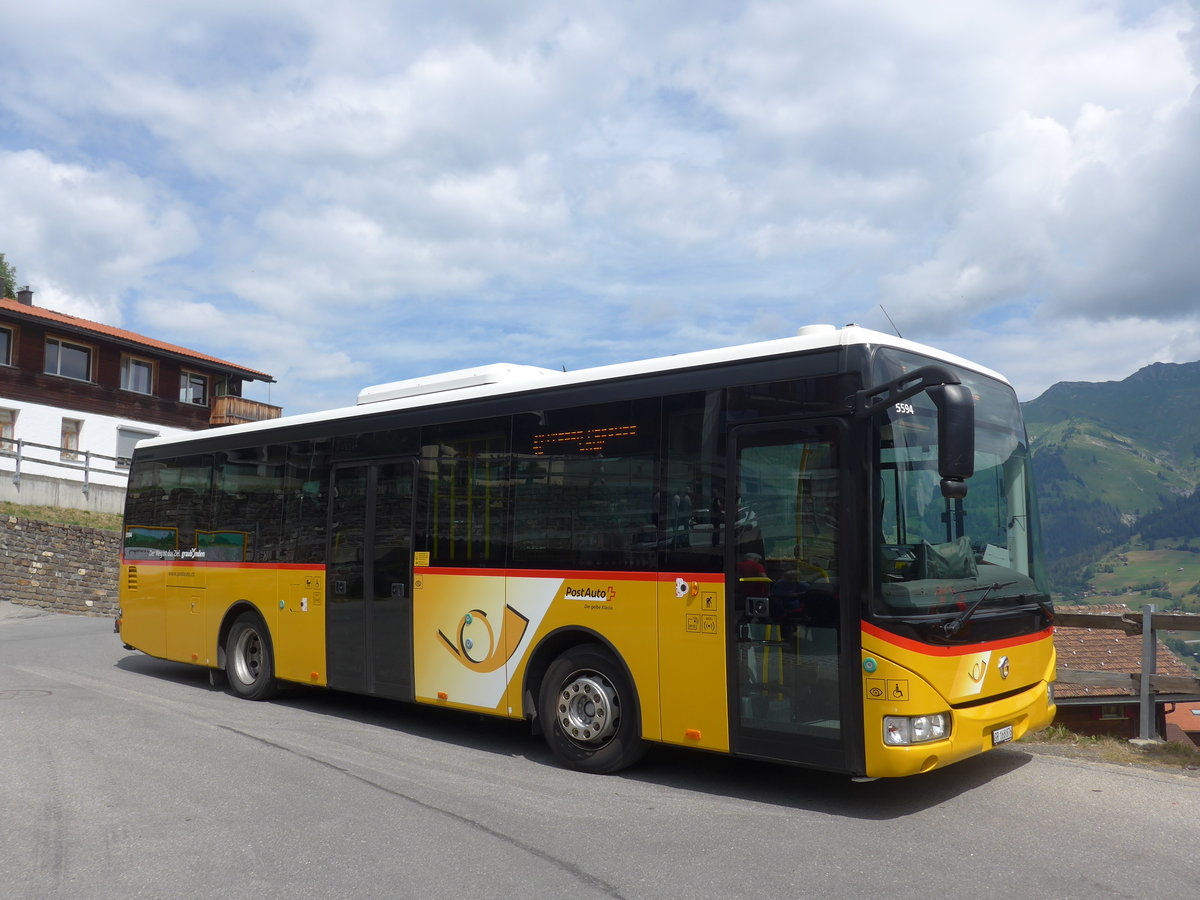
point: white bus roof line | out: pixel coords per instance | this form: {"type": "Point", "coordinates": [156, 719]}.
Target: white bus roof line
{"type": "Point", "coordinates": [524, 379]}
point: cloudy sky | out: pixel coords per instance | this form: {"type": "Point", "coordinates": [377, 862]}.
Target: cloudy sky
{"type": "Point", "coordinates": [346, 194]}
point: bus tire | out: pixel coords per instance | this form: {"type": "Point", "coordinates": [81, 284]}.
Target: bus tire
{"type": "Point", "coordinates": [589, 712]}
{"type": "Point", "coordinates": [249, 662]}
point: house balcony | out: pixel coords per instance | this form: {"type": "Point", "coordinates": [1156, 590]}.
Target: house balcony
{"type": "Point", "coordinates": [236, 411]}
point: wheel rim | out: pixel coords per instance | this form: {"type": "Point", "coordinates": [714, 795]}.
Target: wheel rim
{"type": "Point", "coordinates": [589, 709]}
{"type": "Point", "coordinates": [248, 656]}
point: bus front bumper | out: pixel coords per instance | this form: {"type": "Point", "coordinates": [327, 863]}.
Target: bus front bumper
{"type": "Point", "coordinates": [974, 729]}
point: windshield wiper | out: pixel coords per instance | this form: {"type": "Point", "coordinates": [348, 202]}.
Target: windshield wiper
{"type": "Point", "coordinates": [952, 627]}
{"type": "Point", "coordinates": [1045, 607]}
{"type": "Point", "coordinates": [1036, 601]}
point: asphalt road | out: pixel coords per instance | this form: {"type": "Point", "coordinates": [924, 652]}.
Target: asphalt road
{"type": "Point", "coordinates": [124, 776]}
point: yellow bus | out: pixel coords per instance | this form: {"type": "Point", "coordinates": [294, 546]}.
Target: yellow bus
{"type": "Point", "coordinates": [821, 550]}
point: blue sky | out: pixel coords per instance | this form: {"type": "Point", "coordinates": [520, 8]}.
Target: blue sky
{"type": "Point", "coordinates": [348, 194]}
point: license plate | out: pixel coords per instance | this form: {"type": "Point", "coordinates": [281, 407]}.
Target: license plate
{"type": "Point", "coordinates": [1002, 735]}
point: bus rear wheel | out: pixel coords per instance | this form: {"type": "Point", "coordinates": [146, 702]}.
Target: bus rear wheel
{"type": "Point", "coordinates": [589, 712]}
{"type": "Point", "coordinates": [249, 662]}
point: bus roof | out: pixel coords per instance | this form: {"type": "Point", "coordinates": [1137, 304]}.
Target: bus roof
{"type": "Point", "coordinates": [502, 379]}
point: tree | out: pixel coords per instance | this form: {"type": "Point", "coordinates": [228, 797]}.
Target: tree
{"type": "Point", "coordinates": [8, 279]}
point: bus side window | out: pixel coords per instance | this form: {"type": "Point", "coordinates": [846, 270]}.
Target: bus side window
{"type": "Point", "coordinates": [463, 505]}
{"type": "Point", "coordinates": [187, 486]}
{"type": "Point", "coordinates": [692, 517]}
{"type": "Point", "coordinates": [584, 487]}
{"type": "Point", "coordinates": [306, 501]}
{"type": "Point", "coordinates": [247, 515]}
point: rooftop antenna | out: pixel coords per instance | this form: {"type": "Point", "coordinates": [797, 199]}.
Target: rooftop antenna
{"type": "Point", "coordinates": [893, 324]}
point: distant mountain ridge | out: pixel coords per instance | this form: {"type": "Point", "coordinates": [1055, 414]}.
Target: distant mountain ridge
{"type": "Point", "coordinates": [1110, 456]}
{"type": "Point", "coordinates": [1160, 402]}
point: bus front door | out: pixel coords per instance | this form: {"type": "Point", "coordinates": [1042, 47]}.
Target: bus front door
{"type": "Point", "coordinates": [782, 569]}
{"type": "Point", "coordinates": [368, 630]}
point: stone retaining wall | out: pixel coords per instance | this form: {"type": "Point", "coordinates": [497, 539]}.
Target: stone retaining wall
{"type": "Point", "coordinates": [64, 568]}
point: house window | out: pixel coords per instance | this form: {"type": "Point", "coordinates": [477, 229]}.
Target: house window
{"type": "Point", "coordinates": [68, 360]}
{"type": "Point", "coordinates": [8, 421]}
{"type": "Point", "coordinates": [127, 438]}
{"type": "Point", "coordinates": [193, 388]}
{"type": "Point", "coordinates": [1114, 711]}
{"type": "Point", "coordinates": [137, 375]}
{"type": "Point", "coordinates": [70, 438]}
{"type": "Point", "coordinates": [6, 346]}
{"type": "Point", "coordinates": [228, 386]}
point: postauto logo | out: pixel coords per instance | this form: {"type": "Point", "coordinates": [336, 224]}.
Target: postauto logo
{"type": "Point", "coordinates": [607, 595]}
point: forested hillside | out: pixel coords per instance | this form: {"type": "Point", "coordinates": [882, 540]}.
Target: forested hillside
{"type": "Point", "coordinates": [1115, 460]}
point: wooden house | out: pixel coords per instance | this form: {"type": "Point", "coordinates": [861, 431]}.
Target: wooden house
{"type": "Point", "coordinates": [77, 395]}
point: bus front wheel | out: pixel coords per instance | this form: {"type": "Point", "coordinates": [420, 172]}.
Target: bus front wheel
{"type": "Point", "coordinates": [249, 663]}
{"type": "Point", "coordinates": [589, 713]}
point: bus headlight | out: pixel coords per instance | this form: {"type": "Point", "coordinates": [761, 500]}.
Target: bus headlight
{"type": "Point", "coordinates": [900, 731]}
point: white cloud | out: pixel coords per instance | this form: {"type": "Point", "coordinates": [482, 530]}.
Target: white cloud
{"type": "Point", "coordinates": [352, 194]}
{"type": "Point", "coordinates": [1077, 349]}
{"type": "Point", "coordinates": [83, 237]}
{"type": "Point", "coordinates": [666, 202]}
{"type": "Point", "coordinates": [1084, 210]}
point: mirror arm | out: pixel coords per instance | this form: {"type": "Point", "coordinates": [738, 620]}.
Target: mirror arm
{"type": "Point", "coordinates": [873, 400]}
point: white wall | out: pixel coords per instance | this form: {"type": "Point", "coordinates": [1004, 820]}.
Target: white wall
{"type": "Point", "coordinates": [61, 493]}
{"type": "Point", "coordinates": [42, 424]}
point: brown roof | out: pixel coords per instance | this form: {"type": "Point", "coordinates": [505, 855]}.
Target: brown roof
{"type": "Point", "coordinates": [1185, 717]}
{"type": "Point", "coordinates": [8, 305]}
{"type": "Point", "coordinates": [1105, 650]}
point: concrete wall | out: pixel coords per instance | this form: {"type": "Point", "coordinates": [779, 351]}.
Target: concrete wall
{"type": "Point", "coordinates": [64, 568]}
{"type": "Point", "coordinates": [60, 493]}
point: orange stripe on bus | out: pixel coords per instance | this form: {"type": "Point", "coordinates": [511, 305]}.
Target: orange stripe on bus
{"type": "Point", "coordinates": [962, 650]}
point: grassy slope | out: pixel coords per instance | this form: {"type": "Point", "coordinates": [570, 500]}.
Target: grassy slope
{"type": "Point", "coordinates": [87, 518]}
{"type": "Point", "coordinates": [1159, 404]}
{"type": "Point", "coordinates": [1113, 468]}
{"type": "Point", "coordinates": [1135, 566]}
{"type": "Point", "coordinates": [1058, 741]}
{"type": "Point", "coordinates": [1130, 567]}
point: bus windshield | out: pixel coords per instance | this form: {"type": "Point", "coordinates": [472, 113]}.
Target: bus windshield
{"type": "Point", "coordinates": [950, 558]}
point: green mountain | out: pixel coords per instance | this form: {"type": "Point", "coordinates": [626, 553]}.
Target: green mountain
{"type": "Point", "coordinates": [1114, 458]}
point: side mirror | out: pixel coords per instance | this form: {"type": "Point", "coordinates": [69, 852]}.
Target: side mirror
{"type": "Point", "coordinates": [956, 419]}
{"type": "Point", "coordinates": [956, 437]}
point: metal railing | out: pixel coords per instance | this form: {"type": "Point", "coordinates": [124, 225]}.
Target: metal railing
{"type": "Point", "coordinates": [1146, 684]}
{"type": "Point", "coordinates": [64, 458]}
